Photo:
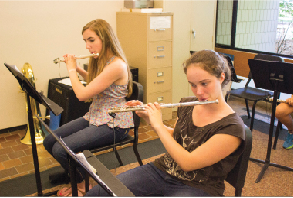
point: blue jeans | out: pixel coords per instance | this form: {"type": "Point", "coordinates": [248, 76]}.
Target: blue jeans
{"type": "Point", "coordinates": [148, 180]}
{"type": "Point", "coordinates": [79, 135]}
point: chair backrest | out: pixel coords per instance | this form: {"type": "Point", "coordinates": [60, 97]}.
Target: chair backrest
{"type": "Point", "coordinates": [236, 177]}
{"type": "Point", "coordinates": [137, 94]}
{"type": "Point", "coordinates": [264, 57]}
{"type": "Point", "coordinates": [232, 68]}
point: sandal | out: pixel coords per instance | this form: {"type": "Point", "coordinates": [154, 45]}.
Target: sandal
{"type": "Point", "coordinates": [64, 192]}
{"type": "Point", "coordinates": [67, 192]}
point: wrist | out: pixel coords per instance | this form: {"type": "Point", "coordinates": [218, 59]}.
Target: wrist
{"type": "Point", "coordinates": [71, 70]}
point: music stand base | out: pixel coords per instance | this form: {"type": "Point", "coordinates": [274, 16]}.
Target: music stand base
{"type": "Point", "coordinates": [265, 167]}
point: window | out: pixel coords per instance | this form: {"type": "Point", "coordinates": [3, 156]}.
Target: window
{"type": "Point", "coordinates": [256, 25]}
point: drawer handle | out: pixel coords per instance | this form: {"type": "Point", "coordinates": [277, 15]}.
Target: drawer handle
{"type": "Point", "coordinates": [161, 56]}
{"type": "Point", "coordinates": [159, 81]}
{"type": "Point", "coordinates": [160, 74]}
{"type": "Point", "coordinates": [160, 99]}
{"type": "Point", "coordinates": [160, 48]}
{"type": "Point", "coordinates": [160, 29]}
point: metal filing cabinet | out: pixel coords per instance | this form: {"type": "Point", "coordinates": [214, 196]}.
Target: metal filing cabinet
{"type": "Point", "coordinates": [147, 40]}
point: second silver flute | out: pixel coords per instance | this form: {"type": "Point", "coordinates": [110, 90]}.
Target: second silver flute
{"type": "Point", "coordinates": [58, 60]}
{"type": "Point", "coordinates": [142, 107]}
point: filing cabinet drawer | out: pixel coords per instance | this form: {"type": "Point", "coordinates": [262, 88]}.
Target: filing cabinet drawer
{"type": "Point", "coordinates": [159, 34]}
{"type": "Point", "coordinates": [159, 54]}
{"type": "Point", "coordinates": [162, 97]}
{"type": "Point", "coordinates": [159, 79]}
{"type": "Point", "coordinates": [160, 28]}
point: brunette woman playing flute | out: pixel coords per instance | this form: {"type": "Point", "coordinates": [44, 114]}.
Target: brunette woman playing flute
{"type": "Point", "coordinates": [204, 144]}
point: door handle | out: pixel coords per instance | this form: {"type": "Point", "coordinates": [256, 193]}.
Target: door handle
{"type": "Point", "coordinates": [193, 32]}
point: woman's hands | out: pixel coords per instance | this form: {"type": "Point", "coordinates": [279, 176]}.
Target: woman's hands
{"type": "Point", "coordinates": [289, 101]}
{"type": "Point", "coordinates": [155, 115]}
{"type": "Point", "coordinates": [70, 61]}
{"type": "Point", "coordinates": [142, 114]}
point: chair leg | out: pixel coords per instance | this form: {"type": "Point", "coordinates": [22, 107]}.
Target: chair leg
{"type": "Point", "coordinates": [247, 108]}
{"type": "Point", "coordinates": [118, 156]}
{"type": "Point", "coordinates": [87, 181]}
{"type": "Point", "coordinates": [227, 97]}
{"type": "Point", "coordinates": [252, 115]}
{"type": "Point", "coordinates": [277, 134]}
{"type": "Point", "coordinates": [137, 154]}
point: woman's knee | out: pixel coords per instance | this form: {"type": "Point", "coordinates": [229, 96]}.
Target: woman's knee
{"type": "Point", "coordinates": [281, 111]}
{"type": "Point", "coordinates": [59, 153]}
{"type": "Point", "coordinates": [97, 190]}
{"type": "Point", "coordinates": [48, 142]}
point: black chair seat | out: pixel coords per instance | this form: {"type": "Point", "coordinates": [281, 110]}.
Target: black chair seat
{"type": "Point", "coordinates": [251, 94]}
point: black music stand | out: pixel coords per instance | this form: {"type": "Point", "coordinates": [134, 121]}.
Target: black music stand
{"type": "Point", "coordinates": [41, 99]}
{"type": "Point", "coordinates": [72, 158]}
{"type": "Point", "coordinates": [277, 77]}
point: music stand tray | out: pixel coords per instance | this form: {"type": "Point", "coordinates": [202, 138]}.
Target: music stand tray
{"type": "Point", "coordinates": [277, 77]}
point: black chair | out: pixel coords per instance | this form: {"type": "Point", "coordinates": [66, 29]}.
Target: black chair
{"type": "Point", "coordinates": [253, 94]}
{"type": "Point", "coordinates": [236, 177]}
{"type": "Point", "coordinates": [137, 94]}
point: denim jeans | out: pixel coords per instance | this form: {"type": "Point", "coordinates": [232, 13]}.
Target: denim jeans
{"type": "Point", "coordinates": [148, 180]}
{"type": "Point", "coordinates": [79, 135]}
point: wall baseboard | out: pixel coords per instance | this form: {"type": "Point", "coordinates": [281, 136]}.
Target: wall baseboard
{"type": "Point", "coordinates": [11, 129]}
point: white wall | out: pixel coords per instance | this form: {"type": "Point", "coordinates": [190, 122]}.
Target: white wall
{"type": "Point", "coordinates": [38, 32]}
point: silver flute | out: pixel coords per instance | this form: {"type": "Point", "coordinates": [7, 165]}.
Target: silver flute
{"type": "Point", "coordinates": [278, 100]}
{"type": "Point", "coordinates": [142, 107]}
{"type": "Point", "coordinates": [57, 60]}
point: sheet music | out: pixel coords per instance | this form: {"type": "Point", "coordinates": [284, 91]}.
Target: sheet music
{"type": "Point", "coordinates": [81, 158]}
{"type": "Point", "coordinates": [16, 68]}
{"type": "Point", "coordinates": [66, 81]}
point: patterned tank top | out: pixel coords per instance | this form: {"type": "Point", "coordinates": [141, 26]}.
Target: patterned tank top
{"type": "Point", "coordinates": [113, 96]}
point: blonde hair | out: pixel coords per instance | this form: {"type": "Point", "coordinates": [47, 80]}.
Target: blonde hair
{"type": "Point", "coordinates": [211, 62]}
{"type": "Point", "coordinates": [110, 42]}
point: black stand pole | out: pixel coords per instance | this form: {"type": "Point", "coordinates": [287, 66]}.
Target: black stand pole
{"type": "Point", "coordinates": [34, 148]}
{"type": "Point", "coordinates": [72, 172]}
{"type": "Point", "coordinates": [274, 83]}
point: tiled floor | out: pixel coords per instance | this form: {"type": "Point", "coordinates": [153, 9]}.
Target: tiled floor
{"type": "Point", "coordinates": [16, 158]}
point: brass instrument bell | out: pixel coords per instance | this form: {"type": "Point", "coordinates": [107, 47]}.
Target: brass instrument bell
{"type": "Point", "coordinates": [39, 134]}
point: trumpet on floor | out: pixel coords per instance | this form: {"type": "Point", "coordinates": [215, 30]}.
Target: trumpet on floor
{"type": "Point", "coordinates": [142, 107]}
{"type": "Point", "coordinates": [58, 60]}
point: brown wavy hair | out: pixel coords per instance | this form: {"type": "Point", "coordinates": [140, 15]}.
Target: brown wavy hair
{"type": "Point", "coordinates": [212, 62]}
{"type": "Point", "coordinates": [110, 42]}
